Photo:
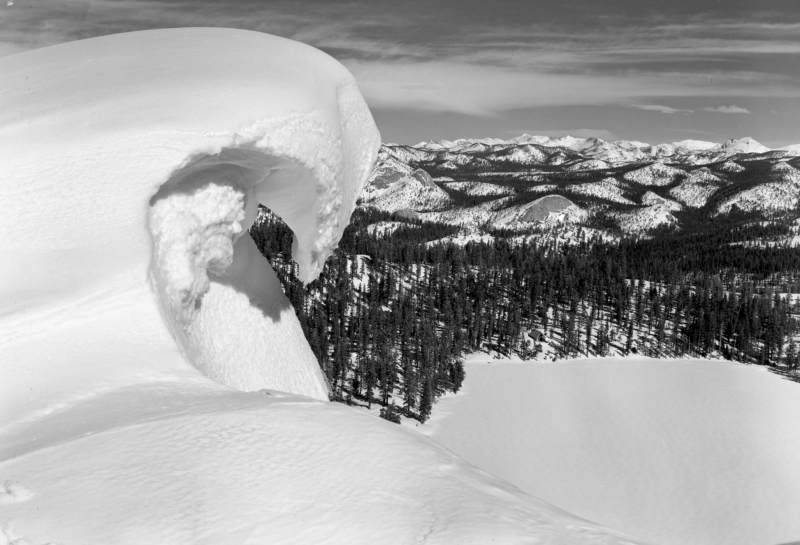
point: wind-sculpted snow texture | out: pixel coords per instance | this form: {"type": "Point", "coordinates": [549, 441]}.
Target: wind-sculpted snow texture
{"type": "Point", "coordinates": [133, 299]}
{"type": "Point", "coordinates": [96, 133]}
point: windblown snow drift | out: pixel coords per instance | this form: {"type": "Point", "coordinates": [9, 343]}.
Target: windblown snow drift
{"type": "Point", "coordinates": [96, 132]}
{"type": "Point", "coordinates": [133, 305]}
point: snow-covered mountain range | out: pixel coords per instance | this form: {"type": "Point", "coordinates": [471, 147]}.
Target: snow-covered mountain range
{"type": "Point", "coordinates": [619, 151]}
{"type": "Point", "coordinates": [627, 187]}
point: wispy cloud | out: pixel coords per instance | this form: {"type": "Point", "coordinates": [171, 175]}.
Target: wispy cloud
{"type": "Point", "coordinates": [732, 109]}
{"type": "Point", "coordinates": [404, 59]}
{"type": "Point", "coordinates": [488, 90]}
{"type": "Point", "coordinates": [659, 108]}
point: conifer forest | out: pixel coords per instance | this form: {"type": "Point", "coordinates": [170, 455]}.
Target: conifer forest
{"type": "Point", "coordinates": [393, 313]}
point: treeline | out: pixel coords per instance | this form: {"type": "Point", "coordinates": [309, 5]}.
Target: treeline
{"type": "Point", "coordinates": [391, 317]}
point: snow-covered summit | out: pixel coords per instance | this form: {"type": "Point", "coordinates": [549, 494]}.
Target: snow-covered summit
{"type": "Point", "coordinates": [694, 145]}
{"type": "Point", "coordinates": [793, 149]}
{"type": "Point", "coordinates": [744, 145]}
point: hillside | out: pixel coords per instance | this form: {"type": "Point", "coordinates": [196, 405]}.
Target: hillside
{"type": "Point", "coordinates": [402, 301]}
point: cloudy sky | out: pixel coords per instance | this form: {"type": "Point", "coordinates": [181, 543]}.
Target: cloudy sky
{"type": "Point", "coordinates": [650, 70]}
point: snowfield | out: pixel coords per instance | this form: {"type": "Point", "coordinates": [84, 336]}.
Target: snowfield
{"type": "Point", "coordinates": [170, 464]}
{"type": "Point", "coordinates": [685, 452]}
{"type": "Point", "coordinates": [156, 385]}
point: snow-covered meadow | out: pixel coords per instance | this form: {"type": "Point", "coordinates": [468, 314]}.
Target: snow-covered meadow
{"type": "Point", "coordinates": [680, 452]}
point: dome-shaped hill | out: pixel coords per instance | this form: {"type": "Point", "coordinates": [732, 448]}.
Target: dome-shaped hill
{"type": "Point", "coordinates": [776, 196]}
{"type": "Point", "coordinates": [655, 174]}
{"type": "Point", "coordinates": [550, 209]}
{"type": "Point", "coordinates": [540, 209]}
{"type": "Point", "coordinates": [388, 170]}
{"type": "Point", "coordinates": [729, 167]}
{"type": "Point", "coordinates": [744, 145]}
{"type": "Point", "coordinates": [416, 191]}
{"type": "Point", "coordinates": [641, 220]}
{"type": "Point", "coordinates": [608, 188]}
{"type": "Point", "coordinates": [557, 158]}
{"type": "Point", "coordinates": [651, 199]}
{"type": "Point", "coordinates": [783, 168]}
{"type": "Point", "coordinates": [527, 154]}
{"type": "Point", "coordinates": [590, 164]}
{"type": "Point", "coordinates": [697, 188]}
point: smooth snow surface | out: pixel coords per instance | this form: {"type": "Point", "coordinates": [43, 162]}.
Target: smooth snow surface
{"type": "Point", "coordinates": [673, 452]}
{"type": "Point", "coordinates": [133, 305]}
{"type": "Point", "coordinates": [168, 464]}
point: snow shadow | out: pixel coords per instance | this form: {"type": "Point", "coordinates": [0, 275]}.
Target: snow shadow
{"type": "Point", "coordinates": [788, 374]}
{"type": "Point", "coordinates": [219, 296]}
{"type": "Point", "coordinates": [199, 220]}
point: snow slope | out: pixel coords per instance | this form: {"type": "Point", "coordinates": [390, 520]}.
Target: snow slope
{"type": "Point", "coordinates": [478, 189]}
{"type": "Point", "coordinates": [607, 188]}
{"type": "Point", "coordinates": [782, 195]}
{"type": "Point", "coordinates": [651, 199]}
{"type": "Point", "coordinates": [169, 464]}
{"type": "Point", "coordinates": [674, 452]}
{"type": "Point", "coordinates": [697, 188]}
{"type": "Point", "coordinates": [135, 305]}
{"type": "Point", "coordinates": [384, 228]}
{"type": "Point", "coordinates": [640, 220]}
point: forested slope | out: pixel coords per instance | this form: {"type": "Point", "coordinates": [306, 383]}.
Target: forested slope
{"type": "Point", "coordinates": [393, 314]}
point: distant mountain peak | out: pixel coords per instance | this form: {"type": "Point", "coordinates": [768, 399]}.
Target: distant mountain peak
{"type": "Point", "coordinates": [744, 145]}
